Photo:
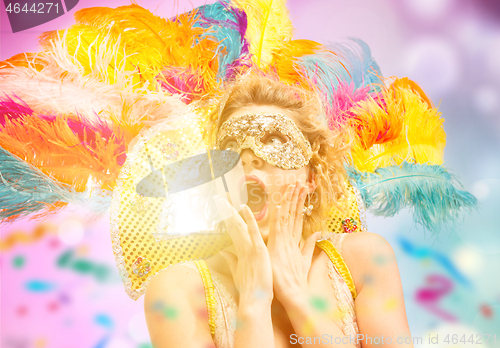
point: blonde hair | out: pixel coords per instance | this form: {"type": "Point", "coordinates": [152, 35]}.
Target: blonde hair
{"type": "Point", "coordinates": [305, 109]}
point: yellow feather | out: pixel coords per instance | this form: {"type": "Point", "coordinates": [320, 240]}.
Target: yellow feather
{"type": "Point", "coordinates": [406, 127]}
{"type": "Point", "coordinates": [269, 26]}
{"type": "Point", "coordinates": [142, 43]}
{"type": "Point", "coordinates": [285, 61]}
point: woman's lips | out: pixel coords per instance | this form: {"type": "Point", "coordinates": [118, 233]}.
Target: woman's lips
{"type": "Point", "coordinates": [260, 215]}
{"type": "Point", "coordinates": [251, 181]}
{"type": "Point", "coordinates": [252, 178]}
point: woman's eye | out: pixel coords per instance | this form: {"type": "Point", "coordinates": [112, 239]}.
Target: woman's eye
{"type": "Point", "coordinates": [230, 145]}
{"type": "Point", "coordinates": [274, 140]}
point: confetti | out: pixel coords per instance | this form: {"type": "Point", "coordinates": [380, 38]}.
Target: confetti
{"type": "Point", "coordinates": [203, 313]}
{"type": "Point", "coordinates": [391, 304]}
{"type": "Point", "coordinates": [53, 306]}
{"type": "Point", "coordinates": [21, 237]}
{"type": "Point", "coordinates": [149, 345]}
{"type": "Point", "coordinates": [64, 298]}
{"type": "Point", "coordinates": [425, 253]}
{"type": "Point", "coordinates": [22, 311]}
{"type": "Point", "coordinates": [308, 327]}
{"type": "Point", "coordinates": [38, 286]}
{"type": "Point", "coordinates": [379, 259]}
{"type": "Point", "coordinates": [429, 297]}
{"type": "Point", "coordinates": [16, 342]}
{"type": "Point", "coordinates": [170, 312]}
{"type": "Point", "coordinates": [54, 243]}
{"type": "Point", "coordinates": [104, 320]}
{"type": "Point", "coordinates": [18, 261]}
{"type": "Point", "coordinates": [487, 311]}
{"type": "Point", "coordinates": [101, 272]}
{"type": "Point", "coordinates": [102, 342]}
{"type": "Point", "coordinates": [167, 311]}
{"type": "Point", "coordinates": [368, 279]}
{"type": "Point", "coordinates": [319, 303]}
{"type": "Point", "coordinates": [82, 250]}
{"type": "Point", "coordinates": [41, 343]}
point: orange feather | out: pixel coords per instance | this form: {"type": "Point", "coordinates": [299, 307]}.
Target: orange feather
{"type": "Point", "coordinates": [53, 147]}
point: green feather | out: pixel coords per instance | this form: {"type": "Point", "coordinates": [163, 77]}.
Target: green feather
{"type": "Point", "coordinates": [430, 191]}
{"type": "Point", "coordinates": [24, 190]}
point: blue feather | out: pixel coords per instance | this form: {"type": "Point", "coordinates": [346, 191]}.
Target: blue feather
{"type": "Point", "coordinates": [228, 26]}
{"type": "Point", "coordinates": [357, 59]}
{"type": "Point", "coordinates": [25, 190]}
{"type": "Point", "coordinates": [350, 62]}
{"type": "Point", "coordinates": [430, 191]}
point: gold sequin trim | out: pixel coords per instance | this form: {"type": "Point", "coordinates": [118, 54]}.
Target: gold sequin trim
{"type": "Point", "coordinates": [339, 263]}
{"type": "Point", "coordinates": [209, 292]}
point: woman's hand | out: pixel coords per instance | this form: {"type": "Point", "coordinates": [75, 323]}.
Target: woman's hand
{"type": "Point", "coordinates": [251, 265]}
{"type": "Point", "coordinates": [290, 262]}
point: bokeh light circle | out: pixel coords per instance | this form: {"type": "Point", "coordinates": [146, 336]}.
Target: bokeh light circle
{"type": "Point", "coordinates": [118, 342]}
{"type": "Point", "coordinates": [480, 229]}
{"type": "Point", "coordinates": [486, 99]}
{"type": "Point", "coordinates": [71, 231]}
{"type": "Point", "coordinates": [435, 64]}
{"type": "Point", "coordinates": [429, 8]}
{"type": "Point", "coordinates": [137, 328]}
{"type": "Point", "coordinates": [492, 54]}
{"type": "Point", "coordinates": [468, 260]}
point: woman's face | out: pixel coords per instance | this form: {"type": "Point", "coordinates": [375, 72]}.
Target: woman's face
{"type": "Point", "coordinates": [266, 183]}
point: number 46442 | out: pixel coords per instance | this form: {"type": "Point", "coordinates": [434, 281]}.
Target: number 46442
{"type": "Point", "coordinates": [454, 339]}
{"type": "Point", "coordinates": [41, 7]}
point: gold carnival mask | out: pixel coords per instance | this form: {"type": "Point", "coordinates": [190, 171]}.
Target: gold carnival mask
{"type": "Point", "coordinates": [273, 137]}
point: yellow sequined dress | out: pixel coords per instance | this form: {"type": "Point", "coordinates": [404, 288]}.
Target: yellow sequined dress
{"type": "Point", "coordinates": [222, 308]}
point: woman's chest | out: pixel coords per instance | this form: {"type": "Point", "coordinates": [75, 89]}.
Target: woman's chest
{"type": "Point", "coordinates": [323, 302]}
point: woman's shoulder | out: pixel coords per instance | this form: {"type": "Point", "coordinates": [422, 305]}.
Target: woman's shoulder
{"type": "Point", "coordinates": [179, 280]}
{"type": "Point", "coordinates": [365, 241]}
{"type": "Point", "coordinates": [177, 293]}
{"type": "Point", "coordinates": [362, 251]}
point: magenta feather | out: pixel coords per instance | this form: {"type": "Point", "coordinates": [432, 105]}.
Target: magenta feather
{"type": "Point", "coordinates": [10, 109]}
{"type": "Point", "coordinates": [345, 96]}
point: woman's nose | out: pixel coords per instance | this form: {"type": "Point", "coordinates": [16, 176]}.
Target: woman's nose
{"type": "Point", "coordinates": [248, 157]}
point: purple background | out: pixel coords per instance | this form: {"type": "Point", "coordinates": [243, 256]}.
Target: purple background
{"type": "Point", "coordinates": [450, 47]}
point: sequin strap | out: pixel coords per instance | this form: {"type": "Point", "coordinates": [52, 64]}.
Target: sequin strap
{"type": "Point", "coordinates": [209, 292]}
{"type": "Point", "coordinates": [339, 263]}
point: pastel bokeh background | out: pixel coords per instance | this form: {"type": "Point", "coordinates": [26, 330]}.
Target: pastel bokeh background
{"type": "Point", "coordinates": [59, 286]}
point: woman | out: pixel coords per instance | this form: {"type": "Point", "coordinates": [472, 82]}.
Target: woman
{"type": "Point", "coordinates": [275, 287]}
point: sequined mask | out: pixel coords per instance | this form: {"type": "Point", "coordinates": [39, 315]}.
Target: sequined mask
{"type": "Point", "coordinates": [273, 137]}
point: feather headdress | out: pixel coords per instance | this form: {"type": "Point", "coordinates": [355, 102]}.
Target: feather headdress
{"type": "Point", "coordinates": [69, 112]}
